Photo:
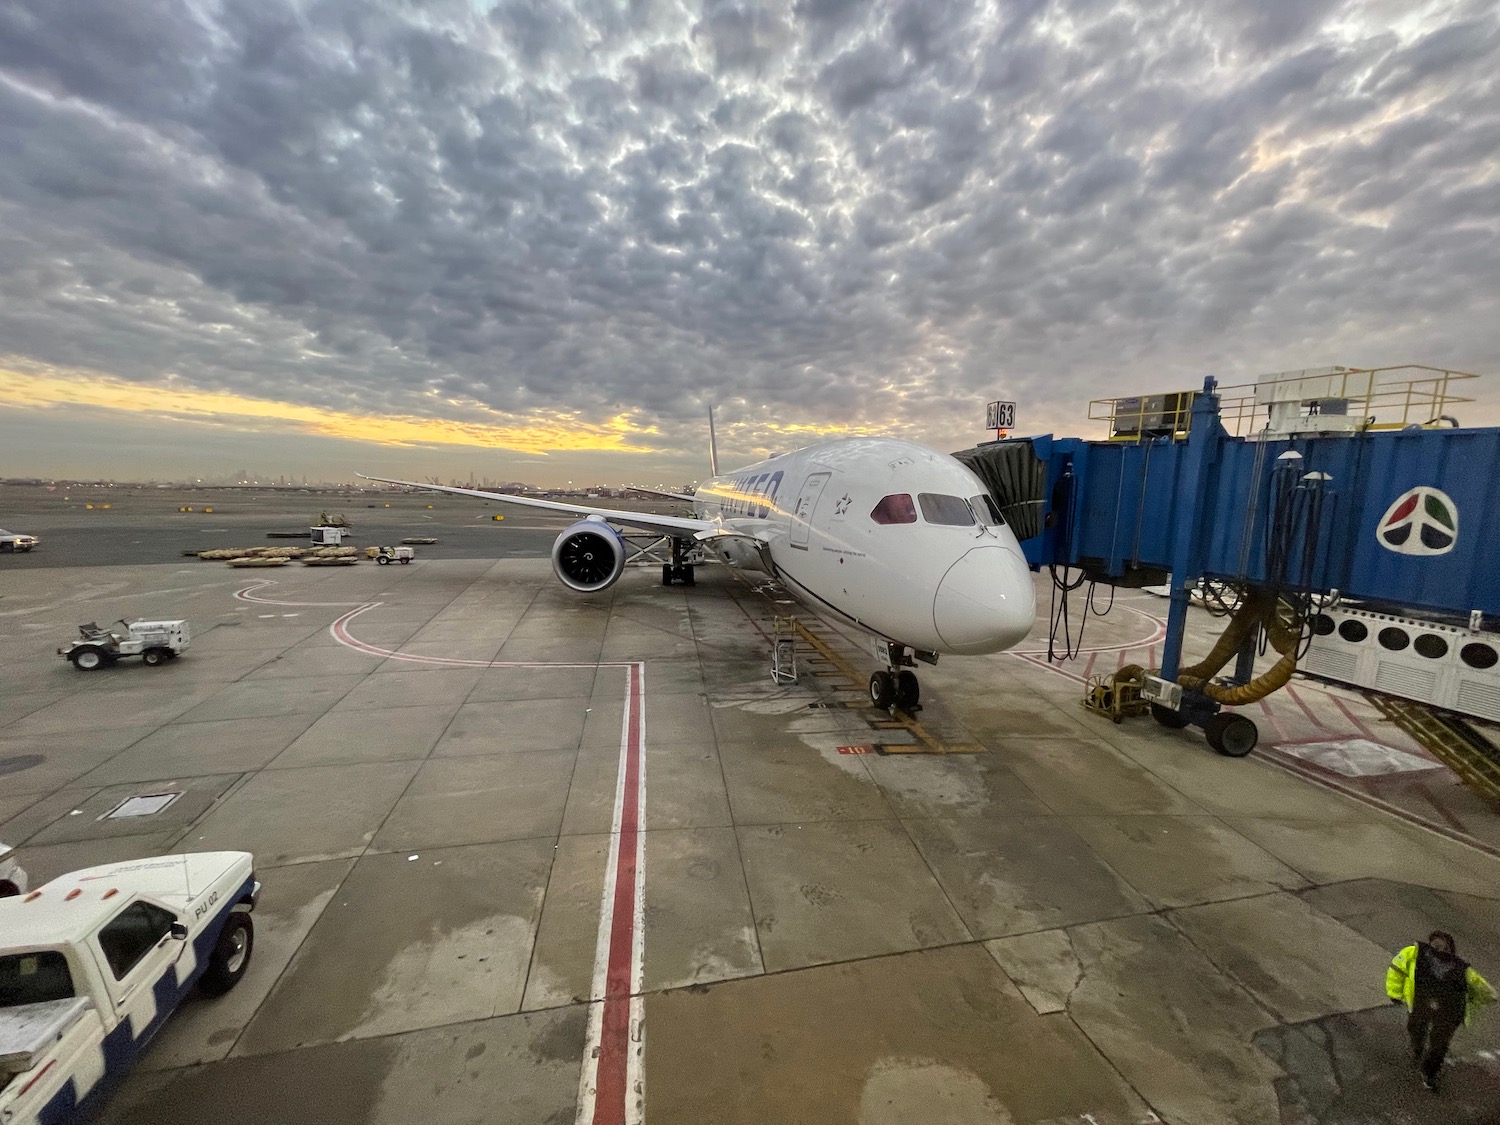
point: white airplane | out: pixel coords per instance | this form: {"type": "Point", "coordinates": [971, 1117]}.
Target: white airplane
{"type": "Point", "coordinates": [895, 538]}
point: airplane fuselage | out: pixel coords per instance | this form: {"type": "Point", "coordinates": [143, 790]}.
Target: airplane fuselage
{"type": "Point", "coordinates": [896, 537]}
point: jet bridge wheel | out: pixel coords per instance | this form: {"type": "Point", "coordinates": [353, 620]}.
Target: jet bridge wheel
{"type": "Point", "coordinates": [882, 690]}
{"type": "Point", "coordinates": [1167, 717]}
{"type": "Point", "coordinates": [1230, 734]}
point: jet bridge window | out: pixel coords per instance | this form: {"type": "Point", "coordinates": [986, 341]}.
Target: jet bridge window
{"type": "Point", "coordinates": [949, 511]}
{"type": "Point", "coordinates": [896, 508]}
{"type": "Point", "coordinates": [34, 978]}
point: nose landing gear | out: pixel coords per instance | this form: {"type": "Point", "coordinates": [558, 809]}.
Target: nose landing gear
{"type": "Point", "coordinates": [896, 685]}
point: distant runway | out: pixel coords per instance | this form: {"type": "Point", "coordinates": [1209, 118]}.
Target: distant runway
{"type": "Point", "coordinates": [138, 543]}
{"type": "Point", "coordinates": [144, 525]}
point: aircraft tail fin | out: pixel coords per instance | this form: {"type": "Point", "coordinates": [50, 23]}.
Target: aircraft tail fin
{"type": "Point", "coordinates": [713, 445]}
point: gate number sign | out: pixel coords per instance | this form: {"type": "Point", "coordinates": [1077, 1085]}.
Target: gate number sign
{"type": "Point", "coordinates": [1000, 416]}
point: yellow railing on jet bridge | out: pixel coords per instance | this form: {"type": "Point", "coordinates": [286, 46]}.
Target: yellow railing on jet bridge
{"type": "Point", "coordinates": [1381, 398]}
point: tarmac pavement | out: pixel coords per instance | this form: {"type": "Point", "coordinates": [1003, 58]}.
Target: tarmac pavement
{"type": "Point", "coordinates": [1083, 922]}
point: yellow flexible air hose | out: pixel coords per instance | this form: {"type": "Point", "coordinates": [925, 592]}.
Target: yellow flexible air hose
{"type": "Point", "coordinates": [1283, 628]}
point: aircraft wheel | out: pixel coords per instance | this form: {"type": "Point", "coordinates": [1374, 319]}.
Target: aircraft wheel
{"type": "Point", "coordinates": [908, 690]}
{"type": "Point", "coordinates": [1167, 717]}
{"type": "Point", "coordinates": [666, 574]}
{"type": "Point", "coordinates": [1232, 735]}
{"type": "Point", "coordinates": [690, 580]}
{"type": "Point", "coordinates": [882, 690]}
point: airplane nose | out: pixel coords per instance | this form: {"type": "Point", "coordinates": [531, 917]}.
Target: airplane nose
{"type": "Point", "coordinates": [985, 602]}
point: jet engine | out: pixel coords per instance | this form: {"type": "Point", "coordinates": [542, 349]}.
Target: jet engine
{"type": "Point", "coordinates": [589, 556]}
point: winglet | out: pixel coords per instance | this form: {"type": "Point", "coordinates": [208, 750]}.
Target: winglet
{"type": "Point", "coordinates": [713, 445]}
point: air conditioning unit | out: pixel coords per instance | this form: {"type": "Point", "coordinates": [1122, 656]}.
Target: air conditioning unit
{"type": "Point", "coordinates": [1449, 667]}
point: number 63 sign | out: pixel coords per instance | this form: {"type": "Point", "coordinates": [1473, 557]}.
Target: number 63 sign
{"type": "Point", "coordinates": [1000, 416]}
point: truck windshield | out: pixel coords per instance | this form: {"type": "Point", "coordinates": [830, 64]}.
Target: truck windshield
{"type": "Point", "coordinates": [34, 978]}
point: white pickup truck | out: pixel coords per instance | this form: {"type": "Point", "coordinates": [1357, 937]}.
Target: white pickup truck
{"type": "Point", "coordinates": [93, 963]}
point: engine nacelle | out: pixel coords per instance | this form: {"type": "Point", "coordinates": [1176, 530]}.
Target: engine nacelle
{"type": "Point", "coordinates": [589, 556]}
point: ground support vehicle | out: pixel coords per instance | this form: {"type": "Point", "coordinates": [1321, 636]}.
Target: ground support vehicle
{"type": "Point", "coordinates": [155, 642]}
{"type": "Point", "coordinates": [14, 541]}
{"type": "Point", "coordinates": [387, 555]}
{"type": "Point", "coordinates": [93, 963]}
{"type": "Point", "coordinates": [12, 877]}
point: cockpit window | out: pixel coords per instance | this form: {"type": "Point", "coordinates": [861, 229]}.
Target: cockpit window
{"type": "Point", "coordinates": [984, 507]}
{"type": "Point", "coordinates": [950, 511]}
{"type": "Point", "coordinates": [896, 508]}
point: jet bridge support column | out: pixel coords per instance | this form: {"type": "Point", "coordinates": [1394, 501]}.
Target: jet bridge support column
{"type": "Point", "coordinates": [1199, 467]}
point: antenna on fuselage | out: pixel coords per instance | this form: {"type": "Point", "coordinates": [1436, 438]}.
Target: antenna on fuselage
{"type": "Point", "coordinates": [713, 445]}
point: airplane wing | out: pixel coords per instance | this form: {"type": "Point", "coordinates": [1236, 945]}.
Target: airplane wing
{"type": "Point", "coordinates": [681, 527]}
{"type": "Point", "coordinates": [664, 495]}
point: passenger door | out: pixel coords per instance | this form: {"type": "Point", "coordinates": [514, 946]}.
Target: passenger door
{"type": "Point", "coordinates": [807, 504]}
{"type": "Point", "coordinates": [136, 949]}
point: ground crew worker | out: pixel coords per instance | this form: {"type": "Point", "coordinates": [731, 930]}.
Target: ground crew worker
{"type": "Point", "coordinates": [1441, 992]}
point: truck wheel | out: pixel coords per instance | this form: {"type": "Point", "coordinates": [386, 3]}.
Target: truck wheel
{"type": "Point", "coordinates": [155, 656]}
{"type": "Point", "coordinates": [382, 560]}
{"type": "Point", "coordinates": [88, 658]}
{"type": "Point", "coordinates": [231, 957]}
{"type": "Point", "coordinates": [405, 561]}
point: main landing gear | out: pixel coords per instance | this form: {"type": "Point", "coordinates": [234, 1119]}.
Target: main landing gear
{"type": "Point", "coordinates": [896, 685]}
{"type": "Point", "coordinates": [679, 571]}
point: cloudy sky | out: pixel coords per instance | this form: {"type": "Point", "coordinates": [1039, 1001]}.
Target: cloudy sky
{"type": "Point", "coordinates": [535, 239]}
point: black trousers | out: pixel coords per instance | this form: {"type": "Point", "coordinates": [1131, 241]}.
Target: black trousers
{"type": "Point", "coordinates": [1431, 1027]}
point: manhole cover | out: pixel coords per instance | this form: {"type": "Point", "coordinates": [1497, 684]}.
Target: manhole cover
{"type": "Point", "coordinates": [18, 762]}
{"type": "Point", "coordinates": [147, 805]}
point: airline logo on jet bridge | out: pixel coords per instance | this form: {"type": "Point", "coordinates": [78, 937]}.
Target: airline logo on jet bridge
{"type": "Point", "coordinates": [1423, 521]}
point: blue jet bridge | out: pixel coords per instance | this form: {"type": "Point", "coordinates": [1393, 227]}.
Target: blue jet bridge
{"type": "Point", "coordinates": [1407, 519]}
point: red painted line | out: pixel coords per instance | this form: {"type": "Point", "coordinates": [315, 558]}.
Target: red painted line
{"type": "Point", "coordinates": [37, 1078]}
{"type": "Point", "coordinates": [1089, 667]}
{"type": "Point", "coordinates": [1307, 772]}
{"type": "Point", "coordinates": [612, 1083]}
{"type": "Point", "coordinates": [1273, 720]}
{"type": "Point", "coordinates": [1306, 710]}
{"type": "Point", "coordinates": [1158, 632]}
{"type": "Point", "coordinates": [1041, 662]}
{"type": "Point", "coordinates": [1353, 718]}
{"type": "Point", "coordinates": [1452, 821]}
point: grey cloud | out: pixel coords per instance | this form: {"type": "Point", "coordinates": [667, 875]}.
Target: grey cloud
{"type": "Point", "coordinates": [1268, 24]}
{"type": "Point", "coordinates": [743, 36]}
{"type": "Point", "coordinates": [858, 76]}
{"type": "Point", "coordinates": [828, 210]}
